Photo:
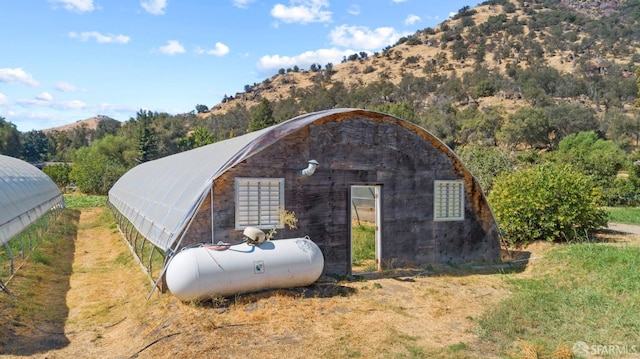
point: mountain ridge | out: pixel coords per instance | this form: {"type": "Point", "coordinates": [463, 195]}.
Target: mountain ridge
{"type": "Point", "coordinates": [499, 35]}
{"type": "Point", "coordinates": [577, 49]}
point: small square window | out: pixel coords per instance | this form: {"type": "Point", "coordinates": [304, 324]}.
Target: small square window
{"type": "Point", "coordinates": [448, 204]}
{"type": "Point", "coordinates": [258, 202]}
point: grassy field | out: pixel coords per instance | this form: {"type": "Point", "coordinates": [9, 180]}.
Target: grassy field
{"type": "Point", "coordinates": [579, 293]}
{"type": "Point", "coordinates": [628, 215]}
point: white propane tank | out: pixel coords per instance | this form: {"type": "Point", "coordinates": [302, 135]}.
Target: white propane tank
{"type": "Point", "coordinates": [199, 273]}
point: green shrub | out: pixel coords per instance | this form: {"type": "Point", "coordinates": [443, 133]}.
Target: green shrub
{"type": "Point", "coordinates": [548, 203]}
{"type": "Point", "coordinates": [59, 173]}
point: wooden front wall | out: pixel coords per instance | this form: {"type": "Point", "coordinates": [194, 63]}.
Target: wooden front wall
{"type": "Point", "coordinates": [378, 150]}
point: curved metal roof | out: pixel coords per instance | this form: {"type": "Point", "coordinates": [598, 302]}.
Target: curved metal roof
{"type": "Point", "coordinates": [160, 197]}
{"type": "Point", "coordinates": [26, 194]}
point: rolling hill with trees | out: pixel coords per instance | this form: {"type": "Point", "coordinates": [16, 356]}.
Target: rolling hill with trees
{"type": "Point", "coordinates": [503, 84]}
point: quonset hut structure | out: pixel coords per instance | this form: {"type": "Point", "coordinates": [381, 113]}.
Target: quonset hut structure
{"type": "Point", "coordinates": [27, 195]}
{"type": "Point", "coordinates": [428, 206]}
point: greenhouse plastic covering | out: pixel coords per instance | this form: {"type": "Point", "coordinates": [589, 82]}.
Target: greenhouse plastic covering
{"type": "Point", "coordinates": [26, 194]}
{"type": "Point", "coordinates": [160, 197]}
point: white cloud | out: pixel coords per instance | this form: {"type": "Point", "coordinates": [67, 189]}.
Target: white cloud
{"type": "Point", "coordinates": [361, 37]}
{"type": "Point", "coordinates": [17, 75]}
{"type": "Point", "coordinates": [354, 10]}
{"type": "Point", "coordinates": [302, 11]}
{"type": "Point", "coordinates": [398, 1]}
{"type": "Point", "coordinates": [219, 50]}
{"type": "Point", "coordinates": [76, 5]}
{"type": "Point", "coordinates": [49, 103]}
{"type": "Point", "coordinates": [100, 38]}
{"type": "Point", "coordinates": [412, 19]}
{"type": "Point", "coordinates": [172, 47]}
{"type": "Point", "coordinates": [71, 105]}
{"type": "Point", "coordinates": [155, 7]}
{"type": "Point", "coordinates": [242, 4]}
{"type": "Point", "coordinates": [65, 87]}
{"type": "Point", "coordinates": [45, 96]}
{"type": "Point", "coordinates": [272, 63]}
{"type": "Point", "coordinates": [3, 100]}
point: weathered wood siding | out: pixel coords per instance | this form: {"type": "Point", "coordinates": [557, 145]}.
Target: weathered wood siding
{"type": "Point", "coordinates": [355, 150]}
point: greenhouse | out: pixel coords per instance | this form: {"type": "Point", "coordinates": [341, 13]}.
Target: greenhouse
{"type": "Point", "coordinates": [28, 199]}
{"type": "Point", "coordinates": [424, 205]}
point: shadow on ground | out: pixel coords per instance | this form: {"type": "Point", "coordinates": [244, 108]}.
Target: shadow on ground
{"type": "Point", "coordinates": [35, 322]}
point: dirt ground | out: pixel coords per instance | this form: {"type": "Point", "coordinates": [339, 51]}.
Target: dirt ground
{"type": "Point", "coordinates": [105, 312]}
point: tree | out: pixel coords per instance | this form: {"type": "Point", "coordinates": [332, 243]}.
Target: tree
{"type": "Point", "coordinates": [624, 128]}
{"type": "Point", "coordinates": [402, 110]}
{"type": "Point", "coordinates": [636, 102]}
{"type": "Point", "coordinates": [566, 119]}
{"type": "Point", "coordinates": [9, 139]}
{"type": "Point", "coordinates": [107, 126]}
{"type": "Point", "coordinates": [262, 116]}
{"type": "Point", "coordinates": [146, 136]}
{"type": "Point", "coordinates": [480, 126]}
{"type": "Point", "coordinates": [200, 136]}
{"type": "Point", "coordinates": [60, 146]}
{"type": "Point", "coordinates": [202, 109]}
{"type": "Point", "coordinates": [35, 146]}
{"type": "Point", "coordinates": [167, 130]}
{"type": "Point", "coordinates": [441, 120]}
{"type": "Point", "coordinates": [591, 155]}
{"type": "Point", "coordinates": [96, 168]}
{"type": "Point", "coordinates": [81, 136]}
{"type": "Point", "coordinates": [59, 173]}
{"type": "Point", "coordinates": [527, 126]}
{"type": "Point", "coordinates": [486, 163]}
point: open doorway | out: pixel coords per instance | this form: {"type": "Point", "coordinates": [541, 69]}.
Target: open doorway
{"type": "Point", "coordinates": [365, 228]}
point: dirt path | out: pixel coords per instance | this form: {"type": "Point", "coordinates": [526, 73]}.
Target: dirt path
{"type": "Point", "coordinates": [624, 228]}
{"type": "Point", "coordinates": [391, 314]}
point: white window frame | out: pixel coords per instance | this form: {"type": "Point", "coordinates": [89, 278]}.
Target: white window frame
{"type": "Point", "coordinates": [259, 202]}
{"type": "Point", "coordinates": [448, 200]}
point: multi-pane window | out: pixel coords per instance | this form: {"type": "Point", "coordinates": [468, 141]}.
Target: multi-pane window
{"type": "Point", "coordinates": [258, 202]}
{"type": "Point", "coordinates": [448, 201]}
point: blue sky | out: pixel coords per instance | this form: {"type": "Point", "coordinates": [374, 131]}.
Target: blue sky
{"type": "Point", "coordinates": [62, 61]}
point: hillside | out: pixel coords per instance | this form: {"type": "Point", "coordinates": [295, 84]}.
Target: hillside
{"type": "Point", "coordinates": [90, 123]}
{"type": "Point", "coordinates": [574, 37]}
{"type": "Point", "coordinates": [498, 57]}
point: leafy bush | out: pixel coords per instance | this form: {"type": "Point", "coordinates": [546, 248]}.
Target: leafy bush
{"type": "Point", "coordinates": [548, 203]}
{"type": "Point", "coordinates": [368, 69]}
{"type": "Point", "coordinates": [624, 191]}
{"type": "Point", "coordinates": [98, 167]}
{"type": "Point", "coordinates": [592, 155]}
{"type": "Point", "coordinates": [59, 173]}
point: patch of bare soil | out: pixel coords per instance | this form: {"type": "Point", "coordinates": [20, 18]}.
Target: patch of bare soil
{"type": "Point", "coordinates": [398, 313]}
